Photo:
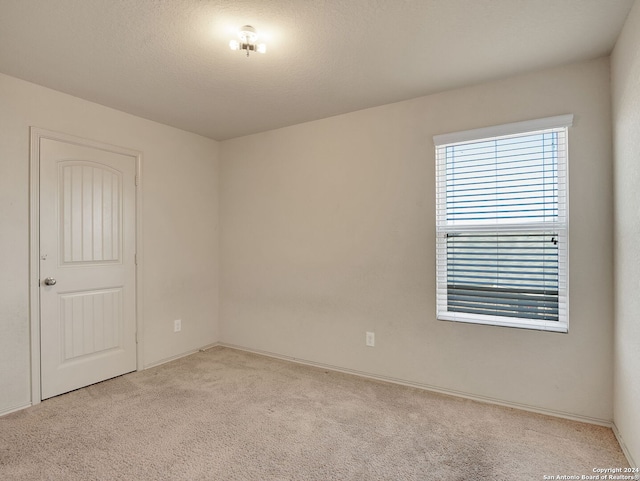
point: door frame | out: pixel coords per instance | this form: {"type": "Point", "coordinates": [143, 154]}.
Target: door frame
{"type": "Point", "coordinates": [36, 134]}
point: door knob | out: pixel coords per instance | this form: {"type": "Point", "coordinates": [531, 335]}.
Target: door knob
{"type": "Point", "coordinates": [50, 281]}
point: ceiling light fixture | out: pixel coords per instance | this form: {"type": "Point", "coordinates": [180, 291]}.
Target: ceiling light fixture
{"type": "Point", "coordinates": [248, 37]}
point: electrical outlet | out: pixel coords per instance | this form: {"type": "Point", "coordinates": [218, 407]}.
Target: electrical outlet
{"type": "Point", "coordinates": [177, 325]}
{"type": "Point", "coordinates": [370, 339]}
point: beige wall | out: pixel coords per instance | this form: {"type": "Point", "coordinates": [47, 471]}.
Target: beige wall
{"type": "Point", "coordinates": [179, 227]}
{"type": "Point", "coordinates": [328, 231]}
{"type": "Point", "coordinates": [625, 75]}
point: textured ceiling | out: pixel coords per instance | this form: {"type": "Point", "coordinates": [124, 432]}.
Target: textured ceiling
{"type": "Point", "coordinates": [169, 61]}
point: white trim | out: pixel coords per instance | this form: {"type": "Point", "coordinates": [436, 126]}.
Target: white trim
{"type": "Point", "coordinates": [558, 121]}
{"type": "Point", "coordinates": [15, 409]}
{"type": "Point", "coordinates": [139, 261]}
{"type": "Point", "coordinates": [427, 387]}
{"type": "Point", "coordinates": [36, 134]}
{"type": "Point", "coordinates": [501, 321]}
{"type": "Point", "coordinates": [34, 262]}
{"type": "Point", "coordinates": [180, 356]}
{"type": "Point", "coordinates": [623, 446]}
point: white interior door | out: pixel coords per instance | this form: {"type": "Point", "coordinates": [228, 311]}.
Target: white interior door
{"type": "Point", "coordinates": [87, 265]}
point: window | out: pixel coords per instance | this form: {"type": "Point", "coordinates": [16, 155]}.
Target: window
{"type": "Point", "coordinates": [501, 225]}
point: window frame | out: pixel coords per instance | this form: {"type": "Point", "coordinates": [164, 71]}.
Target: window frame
{"type": "Point", "coordinates": [560, 225]}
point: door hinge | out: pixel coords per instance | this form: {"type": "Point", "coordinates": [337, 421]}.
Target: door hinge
{"type": "Point", "coordinates": [135, 259]}
{"type": "Point", "coordinates": [137, 180]}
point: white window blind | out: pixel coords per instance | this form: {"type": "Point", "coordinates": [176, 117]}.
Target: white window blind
{"type": "Point", "coordinates": [502, 225]}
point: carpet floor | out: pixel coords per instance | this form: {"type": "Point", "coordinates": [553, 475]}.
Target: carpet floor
{"type": "Point", "coordinates": [224, 414]}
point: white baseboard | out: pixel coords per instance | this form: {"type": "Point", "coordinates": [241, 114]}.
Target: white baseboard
{"type": "Point", "coordinates": [178, 356]}
{"type": "Point", "coordinates": [623, 446]}
{"type": "Point", "coordinates": [14, 409]}
{"type": "Point", "coordinates": [427, 387]}
{"type": "Point", "coordinates": [209, 346]}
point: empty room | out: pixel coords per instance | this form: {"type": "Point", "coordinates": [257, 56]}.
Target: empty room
{"type": "Point", "coordinates": [319, 240]}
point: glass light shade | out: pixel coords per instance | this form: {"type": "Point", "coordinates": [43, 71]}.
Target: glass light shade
{"type": "Point", "coordinates": [262, 48]}
{"type": "Point", "coordinates": [248, 34]}
{"type": "Point", "coordinates": [234, 45]}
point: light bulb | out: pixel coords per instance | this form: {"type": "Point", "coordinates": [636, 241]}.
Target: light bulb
{"type": "Point", "coordinates": [262, 48]}
{"type": "Point", "coordinates": [248, 34]}
{"type": "Point", "coordinates": [234, 45]}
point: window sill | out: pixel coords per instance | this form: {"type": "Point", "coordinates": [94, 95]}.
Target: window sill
{"type": "Point", "coordinates": [548, 326]}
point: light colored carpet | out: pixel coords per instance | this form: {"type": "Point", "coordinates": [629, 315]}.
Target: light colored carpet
{"type": "Point", "coordinates": [226, 415]}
